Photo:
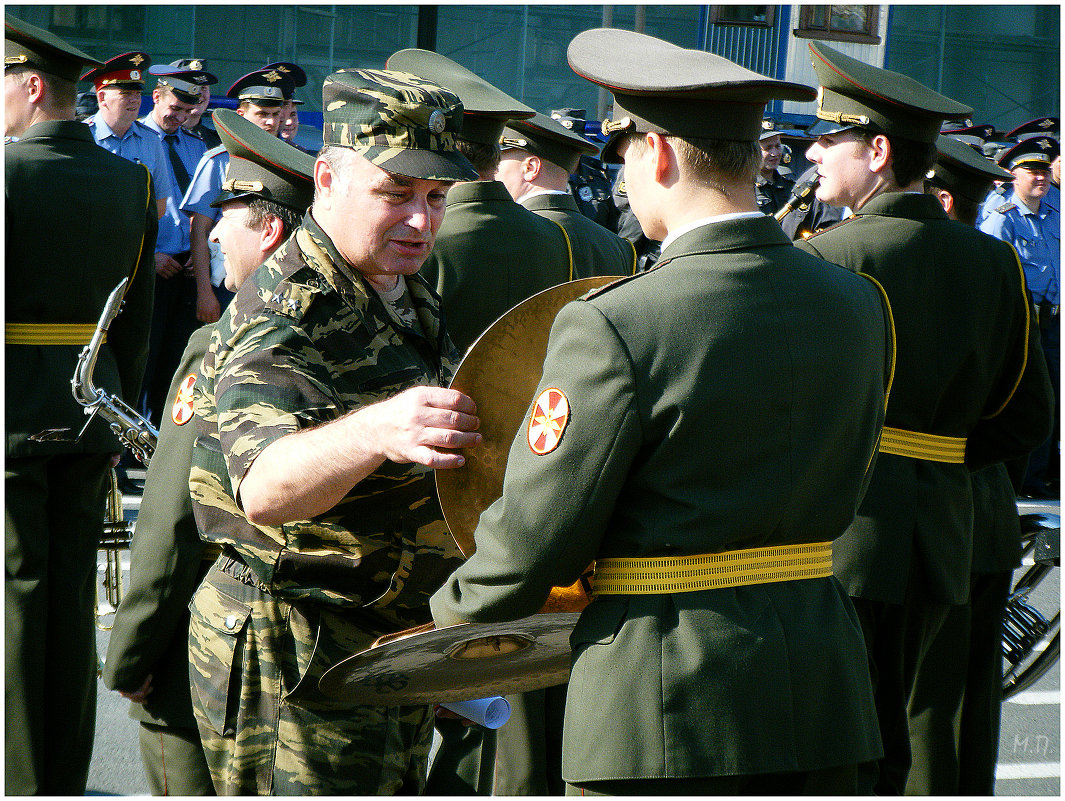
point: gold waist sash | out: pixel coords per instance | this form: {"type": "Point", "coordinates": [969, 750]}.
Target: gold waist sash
{"type": "Point", "coordinates": [49, 333]}
{"type": "Point", "coordinates": [665, 574]}
{"type": "Point", "coordinates": [922, 446]}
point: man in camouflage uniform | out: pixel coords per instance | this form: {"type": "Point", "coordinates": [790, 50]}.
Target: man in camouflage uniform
{"type": "Point", "coordinates": [321, 414]}
{"type": "Point", "coordinates": [267, 191]}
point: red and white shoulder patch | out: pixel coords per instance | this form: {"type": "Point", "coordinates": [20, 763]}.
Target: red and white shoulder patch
{"type": "Point", "coordinates": [181, 412]}
{"type": "Point", "coordinates": [550, 416]}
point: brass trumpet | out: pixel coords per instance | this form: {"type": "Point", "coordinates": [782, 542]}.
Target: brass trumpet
{"type": "Point", "coordinates": [114, 540]}
{"type": "Point", "coordinates": [801, 193]}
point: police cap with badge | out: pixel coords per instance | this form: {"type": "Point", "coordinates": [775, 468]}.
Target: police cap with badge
{"type": "Point", "coordinates": [1035, 153]}
{"type": "Point", "coordinates": [963, 170]}
{"type": "Point", "coordinates": [486, 109]}
{"type": "Point", "coordinates": [262, 165]}
{"type": "Point", "coordinates": [29, 46]}
{"type": "Point", "coordinates": [854, 94]}
{"type": "Point", "coordinates": [268, 88]}
{"type": "Point", "coordinates": [125, 71]}
{"type": "Point", "coordinates": [185, 81]}
{"type": "Point", "coordinates": [660, 87]}
{"type": "Point", "coordinates": [399, 122]}
{"type": "Point", "coordinates": [547, 138]}
{"type": "Point", "coordinates": [1040, 126]}
{"type": "Point", "coordinates": [292, 71]}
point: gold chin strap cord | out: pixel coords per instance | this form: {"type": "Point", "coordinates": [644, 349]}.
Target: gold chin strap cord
{"type": "Point", "coordinates": [666, 574]}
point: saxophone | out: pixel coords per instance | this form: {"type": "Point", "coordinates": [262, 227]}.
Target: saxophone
{"type": "Point", "coordinates": [136, 433]}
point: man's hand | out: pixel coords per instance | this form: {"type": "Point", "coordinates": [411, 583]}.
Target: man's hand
{"type": "Point", "coordinates": [166, 266]}
{"type": "Point", "coordinates": [207, 308]}
{"type": "Point", "coordinates": [425, 425]}
{"type": "Point", "coordinates": [141, 695]}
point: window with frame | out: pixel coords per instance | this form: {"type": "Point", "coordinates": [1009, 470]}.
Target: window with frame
{"type": "Point", "coordinates": [105, 23]}
{"type": "Point", "coordinates": [758, 16]}
{"type": "Point", "coordinates": [840, 23]}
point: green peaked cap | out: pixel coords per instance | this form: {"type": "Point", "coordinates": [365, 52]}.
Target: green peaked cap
{"type": "Point", "coordinates": [486, 109]}
{"type": "Point", "coordinates": [856, 94]}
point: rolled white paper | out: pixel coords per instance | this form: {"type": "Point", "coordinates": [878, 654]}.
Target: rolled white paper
{"type": "Point", "coordinates": [489, 712]}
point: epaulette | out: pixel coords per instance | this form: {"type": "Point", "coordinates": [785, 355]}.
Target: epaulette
{"type": "Point", "coordinates": [1006, 207]}
{"type": "Point", "coordinates": [289, 299]}
{"type": "Point", "coordinates": [594, 293]}
{"type": "Point", "coordinates": [214, 151]}
{"type": "Point", "coordinates": [832, 227]}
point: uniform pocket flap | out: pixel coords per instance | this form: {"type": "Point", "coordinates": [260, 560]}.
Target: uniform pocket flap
{"type": "Point", "coordinates": [222, 613]}
{"type": "Point", "coordinates": [600, 622]}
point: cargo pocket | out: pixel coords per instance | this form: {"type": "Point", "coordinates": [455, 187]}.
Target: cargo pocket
{"type": "Point", "coordinates": [217, 637]}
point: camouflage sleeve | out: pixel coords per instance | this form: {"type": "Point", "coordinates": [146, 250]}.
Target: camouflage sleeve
{"type": "Point", "coordinates": [274, 382]}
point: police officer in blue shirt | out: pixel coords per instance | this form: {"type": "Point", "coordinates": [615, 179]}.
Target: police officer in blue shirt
{"type": "Point", "coordinates": [179, 293]}
{"type": "Point", "coordinates": [118, 84]}
{"type": "Point", "coordinates": [1033, 226]}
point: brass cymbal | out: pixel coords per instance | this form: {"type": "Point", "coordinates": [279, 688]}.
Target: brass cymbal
{"type": "Point", "coordinates": [456, 663]}
{"type": "Point", "coordinates": [500, 372]}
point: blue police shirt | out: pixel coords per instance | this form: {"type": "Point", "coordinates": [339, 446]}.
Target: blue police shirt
{"type": "Point", "coordinates": [174, 226]}
{"type": "Point", "coordinates": [204, 187]}
{"type": "Point", "coordinates": [139, 145]}
{"type": "Point", "coordinates": [1037, 238]}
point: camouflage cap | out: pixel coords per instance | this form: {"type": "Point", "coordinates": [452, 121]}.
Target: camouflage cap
{"type": "Point", "coordinates": [963, 170]}
{"type": "Point", "coordinates": [398, 121]}
{"type": "Point", "coordinates": [28, 45]}
{"type": "Point", "coordinates": [549, 139]}
{"type": "Point", "coordinates": [262, 165]}
{"type": "Point", "coordinates": [486, 109]}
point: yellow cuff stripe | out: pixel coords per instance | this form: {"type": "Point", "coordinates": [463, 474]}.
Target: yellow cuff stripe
{"type": "Point", "coordinates": [49, 333]}
{"type": "Point", "coordinates": [666, 574]}
{"type": "Point", "coordinates": [923, 446]}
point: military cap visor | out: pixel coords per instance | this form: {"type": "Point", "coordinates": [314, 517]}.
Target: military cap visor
{"type": "Point", "coordinates": [660, 87]}
{"type": "Point", "coordinates": [486, 109]}
{"type": "Point", "coordinates": [186, 83]}
{"type": "Point", "coordinates": [399, 122]}
{"type": "Point", "coordinates": [547, 138]}
{"type": "Point", "coordinates": [30, 46]}
{"type": "Point", "coordinates": [855, 94]}
{"type": "Point", "coordinates": [963, 171]}
{"type": "Point", "coordinates": [262, 165]}
{"type": "Point", "coordinates": [127, 69]}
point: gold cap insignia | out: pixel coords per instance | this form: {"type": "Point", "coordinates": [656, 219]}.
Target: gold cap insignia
{"type": "Point", "coordinates": [137, 60]}
{"type": "Point", "coordinates": [272, 75]}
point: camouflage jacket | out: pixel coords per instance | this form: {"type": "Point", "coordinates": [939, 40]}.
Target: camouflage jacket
{"type": "Point", "coordinates": [304, 342]}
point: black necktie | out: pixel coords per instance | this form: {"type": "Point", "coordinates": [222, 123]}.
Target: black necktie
{"type": "Point", "coordinates": [180, 173]}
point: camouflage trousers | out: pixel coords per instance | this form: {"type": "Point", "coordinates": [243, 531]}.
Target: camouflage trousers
{"type": "Point", "coordinates": [266, 729]}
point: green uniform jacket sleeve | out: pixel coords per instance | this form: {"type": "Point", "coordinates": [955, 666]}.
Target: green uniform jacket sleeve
{"type": "Point", "coordinates": [551, 536]}
{"type": "Point", "coordinates": [165, 554]}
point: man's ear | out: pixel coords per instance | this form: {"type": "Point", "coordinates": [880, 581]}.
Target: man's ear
{"type": "Point", "coordinates": [323, 178]}
{"type": "Point", "coordinates": [531, 167]}
{"type": "Point", "coordinates": [946, 200]}
{"type": "Point", "coordinates": [881, 155]}
{"type": "Point", "coordinates": [272, 234]}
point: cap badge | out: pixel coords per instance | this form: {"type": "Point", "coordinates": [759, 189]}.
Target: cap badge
{"type": "Point", "coordinates": [550, 416]}
{"type": "Point", "coordinates": [437, 121]}
{"type": "Point", "coordinates": [135, 75]}
{"type": "Point", "coordinates": [1047, 123]}
{"type": "Point", "coordinates": [272, 75]}
{"type": "Point", "coordinates": [196, 64]}
{"type": "Point", "coordinates": [1045, 144]}
{"type": "Point", "coordinates": [182, 411]}
{"type": "Point", "coordinates": [137, 60]}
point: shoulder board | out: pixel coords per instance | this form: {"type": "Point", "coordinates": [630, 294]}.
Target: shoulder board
{"type": "Point", "coordinates": [289, 299]}
{"type": "Point", "coordinates": [594, 293]}
{"type": "Point", "coordinates": [215, 151]}
{"type": "Point", "coordinates": [832, 227]}
{"type": "Point", "coordinates": [1006, 207]}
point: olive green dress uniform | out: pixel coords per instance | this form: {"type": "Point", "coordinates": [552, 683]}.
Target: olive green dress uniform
{"type": "Point", "coordinates": [957, 693]}
{"type": "Point", "coordinates": [676, 445]}
{"type": "Point", "coordinates": [151, 629]}
{"type": "Point", "coordinates": [967, 393]}
{"type": "Point", "coordinates": [596, 251]}
{"type": "Point", "coordinates": [77, 221]}
{"type": "Point", "coordinates": [691, 410]}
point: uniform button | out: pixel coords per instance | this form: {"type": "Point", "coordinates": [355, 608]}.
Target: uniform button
{"type": "Point", "coordinates": [231, 621]}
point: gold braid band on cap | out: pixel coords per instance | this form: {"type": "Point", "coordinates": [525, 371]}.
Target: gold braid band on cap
{"type": "Point", "coordinates": [236, 185]}
{"type": "Point", "coordinates": [665, 574]}
{"type": "Point", "coordinates": [840, 118]}
{"type": "Point", "coordinates": [624, 124]}
{"type": "Point", "coordinates": [49, 333]}
{"type": "Point", "coordinates": [916, 445]}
